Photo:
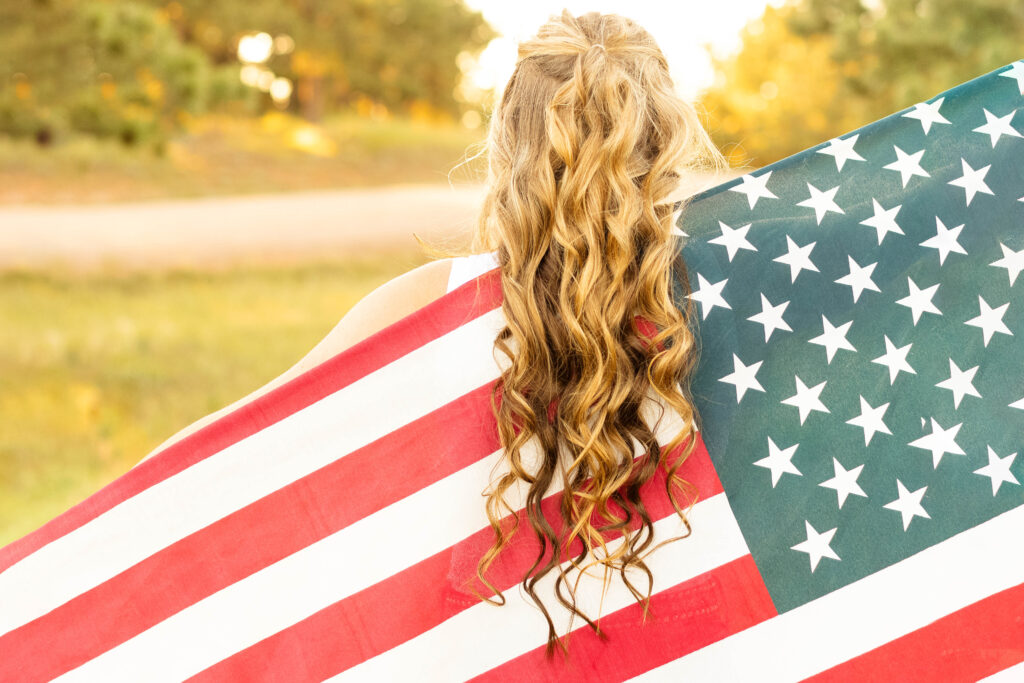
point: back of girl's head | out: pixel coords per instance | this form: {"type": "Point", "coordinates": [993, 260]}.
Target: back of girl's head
{"type": "Point", "coordinates": [585, 145]}
{"type": "Point", "coordinates": [590, 100]}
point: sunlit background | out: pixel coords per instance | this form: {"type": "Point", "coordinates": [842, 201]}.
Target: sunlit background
{"type": "Point", "coordinates": [192, 193]}
{"type": "Point", "coordinates": [687, 32]}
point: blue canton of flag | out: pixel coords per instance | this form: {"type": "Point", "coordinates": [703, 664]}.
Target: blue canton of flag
{"type": "Point", "coordinates": [861, 383]}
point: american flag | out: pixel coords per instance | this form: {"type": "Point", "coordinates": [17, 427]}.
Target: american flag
{"type": "Point", "coordinates": [861, 515]}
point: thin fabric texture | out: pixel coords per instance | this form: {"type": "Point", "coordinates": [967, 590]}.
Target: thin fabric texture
{"type": "Point", "coordinates": [860, 512]}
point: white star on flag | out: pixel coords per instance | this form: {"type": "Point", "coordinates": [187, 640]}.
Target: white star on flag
{"type": "Point", "coordinates": [844, 482]}
{"type": "Point", "coordinates": [709, 295]}
{"type": "Point", "coordinates": [973, 180]}
{"type": "Point", "coordinates": [927, 114]}
{"type": "Point", "coordinates": [771, 317]}
{"type": "Point", "coordinates": [833, 338]}
{"type": "Point", "coordinates": [779, 461]}
{"type": "Point", "coordinates": [797, 258]}
{"type": "Point", "coordinates": [939, 442]}
{"type": "Point", "coordinates": [960, 382]}
{"type": "Point", "coordinates": [817, 545]}
{"type": "Point", "coordinates": [895, 359]}
{"type": "Point", "coordinates": [821, 202]}
{"type": "Point", "coordinates": [998, 470]}
{"type": "Point", "coordinates": [870, 420]}
{"type": "Point", "coordinates": [755, 187]}
{"type": "Point", "coordinates": [742, 377]}
{"type": "Point", "coordinates": [945, 240]}
{"type": "Point", "coordinates": [842, 150]}
{"type": "Point", "coordinates": [990, 320]}
{"type": "Point", "coordinates": [997, 126]}
{"type": "Point", "coordinates": [884, 220]}
{"type": "Point", "coordinates": [919, 300]}
{"type": "Point", "coordinates": [1018, 404]}
{"type": "Point", "coordinates": [908, 165]}
{"type": "Point", "coordinates": [1012, 260]}
{"type": "Point", "coordinates": [859, 278]}
{"type": "Point", "coordinates": [908, 504]}
{"type": "Point", "coordinates": [733, 239]}
{"type": "Point", "coordinates": [806, 399]}
{"type": "Point", "coordinates": [1016, 70]}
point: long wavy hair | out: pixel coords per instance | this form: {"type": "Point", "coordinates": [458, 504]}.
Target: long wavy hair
{"type": "Point", "coordinates": [586, 141]}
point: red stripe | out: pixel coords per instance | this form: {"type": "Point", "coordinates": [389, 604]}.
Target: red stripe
{"type": "Point", "coordinates": [977, 641]}
{"type": "Point", "coordinates": [418, 598]}
{"type": "Point", "coordinates": [441, 316]}
{"type": "Point", "coordinates": [682, 619]}
{"type": "Point", "coordinates": [187, 571]}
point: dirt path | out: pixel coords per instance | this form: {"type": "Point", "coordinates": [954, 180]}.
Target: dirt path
{"type": "Point", "coordinates": [227, 230]}
{"type": "Point", "coordinates": [210, 232]}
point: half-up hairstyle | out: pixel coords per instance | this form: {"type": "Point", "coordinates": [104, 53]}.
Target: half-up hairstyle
{"type": "Point", "coordinates": [586, 142]}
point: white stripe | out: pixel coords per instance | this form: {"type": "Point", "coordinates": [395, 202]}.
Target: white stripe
{"type": "Point", "coordinates": [465, 268]}
{"type": "Point", "coordinates": [1014, 674]}
{"type": "Point", "coordinates": [268, 460]}
{"type": "Point", "coordinates": [906, 596]}
{"type": "Point", "coordinates": [301, 584]}
{"type": "Point", "coordinates": [485, 636]}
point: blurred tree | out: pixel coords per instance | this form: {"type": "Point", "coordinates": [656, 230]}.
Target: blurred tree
{"type": "Point", "coordinates": [104, 68]}
{"type": "Point", "coordinates": [906, 51]}
{"type": "Point", "coordinates": [777, 94]}
{"type": "Point", "coordinates": [395, 52]}
{"type": "Point", "coordinates": [131, 68]}
{"type": "Point", "coordinates": [814, 69]}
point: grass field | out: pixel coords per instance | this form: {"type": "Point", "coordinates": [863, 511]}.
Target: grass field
{"type": "Point", "coordinates": [219, 155]}
{"type": "Point", "coordinates": [98, 369]}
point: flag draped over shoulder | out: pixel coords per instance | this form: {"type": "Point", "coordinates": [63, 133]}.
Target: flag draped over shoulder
{"type": "Point", "coordinates": [861, 515]}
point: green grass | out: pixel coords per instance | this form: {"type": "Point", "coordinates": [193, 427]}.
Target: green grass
{"type": "Point", "coordinates": [98, 369]}
{"type": "Point", "coordinates": [218, 155]}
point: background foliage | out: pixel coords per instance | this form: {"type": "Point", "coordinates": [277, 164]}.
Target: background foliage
{"type": "Point", "coordinates": [133, 70]}
{"type": "Point", "coordinates": [814, 69]}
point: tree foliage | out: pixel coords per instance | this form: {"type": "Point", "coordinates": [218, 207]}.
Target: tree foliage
{"type": "Point", "coordinates": [109, 69]}
{"type": "Point", "coordinates": [814, 69]}
{"type": "Point", "coordinates": [132, 68]}
{"type": "Point", "coordinates": [395, 52]}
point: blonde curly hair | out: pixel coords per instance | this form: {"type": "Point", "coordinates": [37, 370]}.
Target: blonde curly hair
{"type": "Point", "coordinates": [584, 145]}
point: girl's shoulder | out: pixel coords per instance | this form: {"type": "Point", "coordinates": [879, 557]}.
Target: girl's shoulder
{"type": "Point", "coordinates": [397, 298]}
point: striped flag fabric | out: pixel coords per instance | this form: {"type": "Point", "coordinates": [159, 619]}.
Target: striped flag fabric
{"type": "Point", "coordinates": [860, 511]}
